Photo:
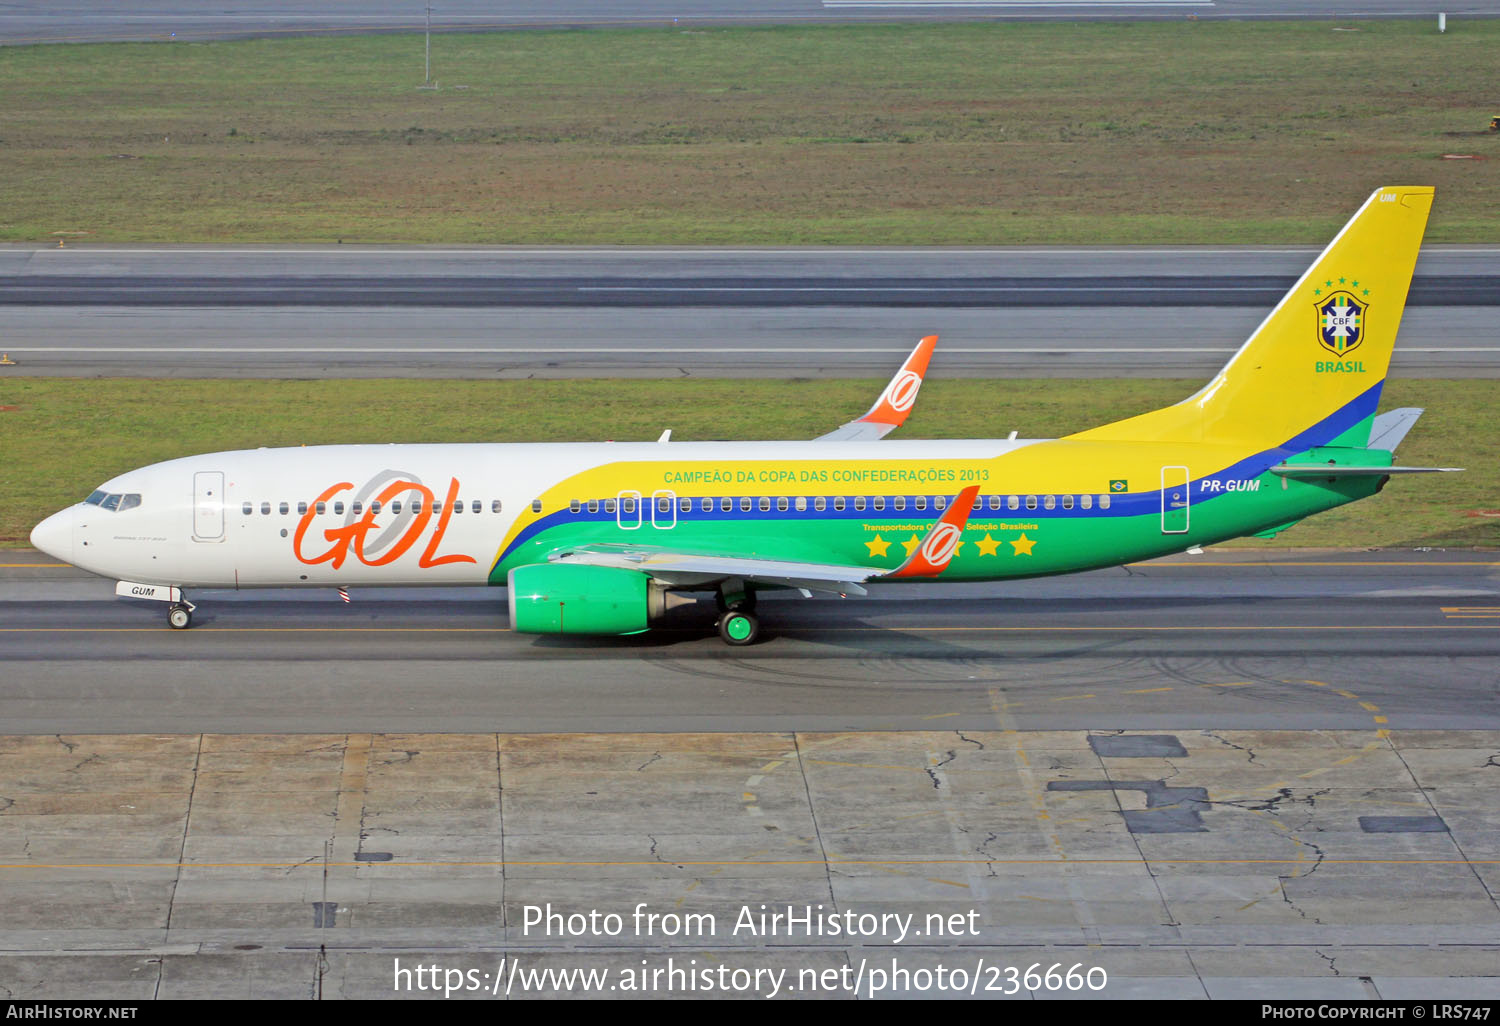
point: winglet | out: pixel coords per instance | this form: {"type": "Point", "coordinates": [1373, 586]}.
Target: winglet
{"type": "Point", "coordinates": [900, 395]}
{"type": "Point", "coordinates": [933, 555]}
{"type": "Point", "coordinates": [895, 403]}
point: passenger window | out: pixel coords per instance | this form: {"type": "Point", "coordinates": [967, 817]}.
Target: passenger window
{"type": "Point", "coordinates": [265, 509]}
{"type": "Point", "coordinates": [1012, 502]}
{"type": "Point", "coordinates": [1049, 502]}
{"type": "Point", "coordinates": [627, 505]}
{"type": "Point", "coordinates": [302, 508]}
{"type": "Point", "coordinates": [820, 504]}
{"type": "Point", "coordinates": [536, 506]}
{"type": "Point", "coordinates": [726, 504]}
{"type": "Point", "coordinates": [744, 504]}
{"type": "Point", "coordinates": [1031, 502]}
{"type": "Point", "coordinates": [978, 502]}
{"type": "Point", "coordinates": [396, 507]}
{"type": "Point", "coordinates": [416, 506]}
{"type": "Point", "coordinates": [994, 502]}
{"type": "Point", "coordinates": [593, 506]}
{"type": "Point", "coordinates": [284, 509]}
{"type": "Point", "coordinates": [338, 509]}
{"type": "Point", "coordinates": [495, 505]}
{"type": "Point", "coordinates": [248, 508]}
{"type": "Point", "coordinates": [859, 503]}
{"type": "Point", "coordinates": [476, 506]}
{"type": "Point", "coordinates": [782, 504]}
{"type": "Point", "coordinates": [458, 506]}
{"type": "Point", "coordinates": [941, 502]}
{"type": "Point", "coordinates": [357, 508]}
{"type": "Point", "coordinates": [1104, 501]}
{"type": "Point", "coordinates": [609, 505]}
{"type": "Point", "coordinates": [705, 505]}
{"type": "Point", "coordinates": [838, 503]}
{"type": "Point", "coordinates": [1067, 502]}
{"type": "Point", "coordinates": [685, 505]}
{"type": "Point", "coordinates": [878, 503]}
{"type": "Point", "coordinates": [801, 503]}
{"type": "Point", "coordinates": [574, 506]}
{"type": "Point", "coordinates": [900, 503]}
{"type": "Point", "coordinates": [1086, 501]}
{"type": "Point", "coordinates": [765, 503]}
{"type": "Point", "coordinates": [322, 508]}
{"type": "Point", "coordinates": [919, 503]}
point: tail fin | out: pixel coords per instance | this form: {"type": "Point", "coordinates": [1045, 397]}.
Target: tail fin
{"type": "Point", "coordinates": [1311, 374]}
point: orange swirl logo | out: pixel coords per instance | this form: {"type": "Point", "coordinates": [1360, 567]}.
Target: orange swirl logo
{"type": "Point", "coordinates": [939, 547]}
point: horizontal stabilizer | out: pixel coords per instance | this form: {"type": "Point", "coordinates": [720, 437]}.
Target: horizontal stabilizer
{"type": "Point", "coordinates": [1334, 470]}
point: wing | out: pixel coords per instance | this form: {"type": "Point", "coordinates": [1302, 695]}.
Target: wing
{"type": "Point", "coordinates": [891, 409]}
{"type": "Point", "coordinates": [691, 569]}
{"type": "Point", "coordinates": [698, 570]}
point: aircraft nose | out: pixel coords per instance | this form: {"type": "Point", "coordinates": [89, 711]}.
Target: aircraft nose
{"type": "Point", "coordinates": [54, 536]}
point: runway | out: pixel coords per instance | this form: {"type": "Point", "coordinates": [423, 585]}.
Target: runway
{"type": "Point", "coordinates": [347, 311]}
{"type": "Point", "coordinates": [33, 21]}
{"type": "Point", "coordinates": [1226, 640]}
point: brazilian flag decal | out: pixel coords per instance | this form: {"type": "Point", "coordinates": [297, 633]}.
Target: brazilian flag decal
{"type": "Point", "coordinates": [1119, 486]}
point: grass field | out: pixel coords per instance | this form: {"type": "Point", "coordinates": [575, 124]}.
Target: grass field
{"type": "Point", "coordinates": [1186, 132]}
{"type": "Point", "coordinates": [68, 435]}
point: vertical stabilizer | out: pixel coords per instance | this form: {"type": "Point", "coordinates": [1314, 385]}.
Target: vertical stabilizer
{"type": "Point", "coordinates": [1311, 374]}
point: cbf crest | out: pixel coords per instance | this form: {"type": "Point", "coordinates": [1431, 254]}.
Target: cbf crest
{"type": "Point", "coordinates": [1341, 322]}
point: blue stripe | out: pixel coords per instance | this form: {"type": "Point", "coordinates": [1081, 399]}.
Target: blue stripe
{"type": "Point", "coordinates": [1130, 504]}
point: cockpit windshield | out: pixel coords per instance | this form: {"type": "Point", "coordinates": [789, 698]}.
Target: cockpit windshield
{"type": "Point", "coordinates": [114, 501]}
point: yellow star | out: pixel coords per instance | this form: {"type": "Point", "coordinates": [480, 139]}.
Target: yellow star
{"type": "Point", "coordinates": [1023, 544]}
{"type": "Point", "coordinates": [988, 546]}
{"type": "Point", "coordinates": [911, 543]}
{"type": "Point", "coordinates": [878, 546]}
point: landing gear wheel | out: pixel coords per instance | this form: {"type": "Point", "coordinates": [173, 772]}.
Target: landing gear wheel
{"type": "Point", "coordinates": [179, 617]}
{"type": "Point", "coordinates": [738, 628]}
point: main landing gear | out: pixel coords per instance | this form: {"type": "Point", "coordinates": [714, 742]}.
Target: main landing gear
{"type": "Point", "coordinates": [737, 623]}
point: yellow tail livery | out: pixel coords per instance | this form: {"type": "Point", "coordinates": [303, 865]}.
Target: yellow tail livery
{"type": "Point", "coordinates": [1322, 353]}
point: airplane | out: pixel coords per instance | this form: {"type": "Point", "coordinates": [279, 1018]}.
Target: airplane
{"type": "Point", "coordinates": [601, 538]}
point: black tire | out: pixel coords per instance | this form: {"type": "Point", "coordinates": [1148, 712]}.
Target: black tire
{"type": "Point", "coordinates": [737, 627]}
{"type": "Point", "coordinates": [179, 618]}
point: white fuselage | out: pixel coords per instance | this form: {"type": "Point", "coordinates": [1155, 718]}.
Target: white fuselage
{"type": "Point", "coordinates": [232, 519]}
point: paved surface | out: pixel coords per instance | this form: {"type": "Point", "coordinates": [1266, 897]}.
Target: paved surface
{"type": "Point", "coordinates": [1237, 640]}
{"type": "Point", "coordinates": [1232, 775]}
{"type": "Point", "coordinates": [687, 312]}
{"type": "Point", "coordinates": [31, 21]}
{"type": "Point", "coordinates": [1354, 864]}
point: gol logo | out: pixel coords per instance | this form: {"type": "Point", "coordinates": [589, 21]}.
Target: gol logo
{"type": "Point", "coordinates": [940, 544]}
{"type": "Point", "coordinates": [353, 537]}
{"type": "Point", "coordinates": [901, 393]}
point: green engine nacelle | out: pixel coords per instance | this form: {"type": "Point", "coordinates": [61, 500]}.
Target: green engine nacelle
{"type": "Point", "coordinates": [569, 598]}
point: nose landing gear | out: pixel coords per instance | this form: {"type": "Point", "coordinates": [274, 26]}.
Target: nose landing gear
{"type": "Point", "coordinates": [180, 616]}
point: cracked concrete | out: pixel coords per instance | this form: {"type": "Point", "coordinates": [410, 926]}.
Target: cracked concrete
{"type": "Point", "coordinates": [189, 866]}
